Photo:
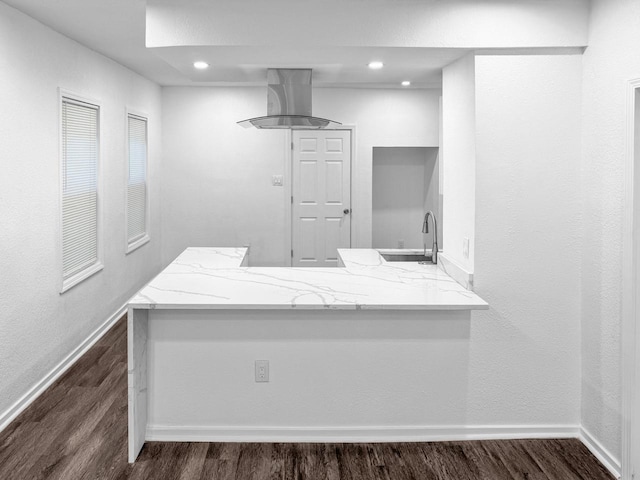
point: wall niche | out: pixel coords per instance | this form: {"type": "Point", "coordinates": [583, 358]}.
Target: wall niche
{"type": "Point", "coordinates": [406, 184]}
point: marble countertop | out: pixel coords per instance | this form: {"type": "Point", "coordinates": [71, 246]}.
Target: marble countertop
{"type": "Point", "coordinates": [212, 278]}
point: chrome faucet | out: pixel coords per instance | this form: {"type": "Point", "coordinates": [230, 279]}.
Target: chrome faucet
{"type": "Point", "coordinates": [425, 229]}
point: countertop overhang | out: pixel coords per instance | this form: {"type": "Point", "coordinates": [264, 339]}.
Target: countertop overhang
{"type": "Point", "coordinates": [214, 278]}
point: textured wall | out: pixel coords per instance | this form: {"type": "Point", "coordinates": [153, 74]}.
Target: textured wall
{"type": "Point", "coordinates": [609, 62]}
{"type": "Point", "coordinates": [526, 349]}
{"type": "Point", "coordinates": [217, 175]}
{"type": "Point", "coordinates": [458, 155]}
{"type": "Point", "coordinates": [38, 326]}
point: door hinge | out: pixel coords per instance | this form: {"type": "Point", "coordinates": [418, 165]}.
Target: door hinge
{"type": "Point", "coordinates": [291, 199]}
{"type": "Point", "coordinates": [291, 145]}
{"type": "Point", "coordinates": [292, 253]}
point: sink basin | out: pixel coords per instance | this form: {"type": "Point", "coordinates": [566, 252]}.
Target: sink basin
{"type": "Point", "coordinates": [405, 257]}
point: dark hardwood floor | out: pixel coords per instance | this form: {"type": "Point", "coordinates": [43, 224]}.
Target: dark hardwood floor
{"type": "Point", "coordinates": [78, 430]}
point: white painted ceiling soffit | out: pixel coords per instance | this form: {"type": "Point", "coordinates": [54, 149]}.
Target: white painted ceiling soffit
{"type": "Point", "coordinates": [436, 24]}
{"type": "Point", "coordinates": [240, 39]}
{"type": "Point", "coordinates": [415, 39]}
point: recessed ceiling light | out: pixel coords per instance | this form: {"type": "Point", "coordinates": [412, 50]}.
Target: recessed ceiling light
{"type": "Point", "coordinates": [406, 83]}
{"type": "Point", "coordinates": [200, 65]}
{"type": "Point", "coordinates": [376, 65]}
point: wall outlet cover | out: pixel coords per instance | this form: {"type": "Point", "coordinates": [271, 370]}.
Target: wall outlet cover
{"type": "Point", "coordinates": [262, 371]}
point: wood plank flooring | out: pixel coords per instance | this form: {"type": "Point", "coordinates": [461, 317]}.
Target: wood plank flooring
{"type": "Point", "coordinates": [78, 430]}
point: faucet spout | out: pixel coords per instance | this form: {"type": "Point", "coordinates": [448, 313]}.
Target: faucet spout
{"type": "Point", "coordinates": [425, 229]}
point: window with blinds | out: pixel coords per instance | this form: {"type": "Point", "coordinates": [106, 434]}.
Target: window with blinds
{"type": "Point", "coordinates": [79, 157]}
{"type": "Point", "coordinates": [137, 210]}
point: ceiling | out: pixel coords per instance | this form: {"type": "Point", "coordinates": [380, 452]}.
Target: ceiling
{"type": "Point", "coordinates": [116, 29]}
{"type": "Point", "coordinates": [332, 66]}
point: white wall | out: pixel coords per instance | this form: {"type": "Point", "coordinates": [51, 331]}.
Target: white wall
{"type": "Point", "coordinates": [38, 325]}
{"type": "Point", "coordinates": [217, 176]}
{"type": "Point", "coordinates": [526, 348]}
{"type": "Point", "coordinates": [458, 158]}
{"type": "Point", "coordinates": [405, 187]}
{"type": "Point", "coordinates": [405, 371]}
{"type": "Point", "coordinates": [433, 195]}
{"type": "Point", "coordinates": [383, 118]}
{"type": "Point", "coordinates": [609, 62]}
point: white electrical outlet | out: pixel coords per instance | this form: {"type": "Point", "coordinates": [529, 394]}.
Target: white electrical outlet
{"type": "Point", "coordinates": [262, 370]}
{"type": "Point", "coordinates": [401, 243]}
{"type": "Point", "coordinates": [465, 248]}
{"type": "Point", "coordinates": [276, 180]}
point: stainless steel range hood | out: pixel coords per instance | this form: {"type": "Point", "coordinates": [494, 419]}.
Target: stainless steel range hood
{"type": "Point", "coordinates": [289, 102]}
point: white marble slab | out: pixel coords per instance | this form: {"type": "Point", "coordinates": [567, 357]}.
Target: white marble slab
{"type": "Point", "coordinates": [212, 278]}
{"type": "Point", "coordinates": [455, 271]}
{"type": "Point", "coordinates": [215, 278]}
{"type": "Point", "coordinates": [137, 332]}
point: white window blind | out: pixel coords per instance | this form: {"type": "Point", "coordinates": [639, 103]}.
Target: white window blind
{"type": "Point", "coordinates": [80, 149]}
{"type": "Point", "coordinates": [137, 184]}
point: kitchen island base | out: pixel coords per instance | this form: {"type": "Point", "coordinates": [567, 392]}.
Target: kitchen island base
{"type": "Point", "coordinates": [369, 351]}
{"type": "Point", "coordinates": [334, 375]}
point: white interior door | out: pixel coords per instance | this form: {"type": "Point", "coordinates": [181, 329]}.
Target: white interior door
{"type": "Point", "coordinates": [321, 191]}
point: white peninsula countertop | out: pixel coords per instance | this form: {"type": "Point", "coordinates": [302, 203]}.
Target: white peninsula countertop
{"type": "Point", "coordinates": [214, 278]}
{"type": "Point", "coordinates": [179, 327]}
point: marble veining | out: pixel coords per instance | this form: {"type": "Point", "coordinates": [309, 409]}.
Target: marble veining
{"type": "Point", "coordinates": [456, 272]}
{"type": "Point", "coordinates": [213, 278]}
{"type": "Point", "coordinates": [137, 333]}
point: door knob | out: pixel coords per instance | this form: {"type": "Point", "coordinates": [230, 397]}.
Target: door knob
{"type": "Point", "coordinates": [346, 211]}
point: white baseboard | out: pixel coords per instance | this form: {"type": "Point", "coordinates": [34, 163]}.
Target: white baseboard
{"type": "Point", "coordinates": [601, 453]}
{"type": "Point", "coordinates": [34, 392]}
{"type": "Point", "coordinates": [166, 433]}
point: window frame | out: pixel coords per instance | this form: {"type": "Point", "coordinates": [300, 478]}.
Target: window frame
{"type": "Point", "coordinates": [144, 239]}
{"type": "Point", "coordinates": [90, 270]}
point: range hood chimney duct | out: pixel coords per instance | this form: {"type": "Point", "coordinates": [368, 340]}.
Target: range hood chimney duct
{"type": "Point", "coordinates": [289, 102]}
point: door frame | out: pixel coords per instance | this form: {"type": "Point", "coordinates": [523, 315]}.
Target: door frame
{"type": "Point", "coordinates": [630, 333]}
{"type": "Point", "coordinates": [288, 190]}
